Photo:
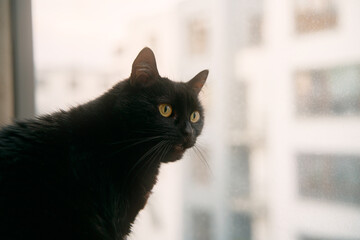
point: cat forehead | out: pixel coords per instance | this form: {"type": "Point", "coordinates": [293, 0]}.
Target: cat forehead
{"type": "Point", "coordinates": [180, 92]}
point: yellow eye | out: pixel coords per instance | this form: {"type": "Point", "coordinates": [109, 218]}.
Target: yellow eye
{"type": "Point", "coordinates": [194, 117]}
{"type": "Point", "coordinates": [165, 110]}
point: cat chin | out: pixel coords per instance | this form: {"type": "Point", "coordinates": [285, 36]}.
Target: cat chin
{"type": "Point", "coordinates": [175, 155]}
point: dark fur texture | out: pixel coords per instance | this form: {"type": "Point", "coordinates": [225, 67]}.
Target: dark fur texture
{"type": "Point", "coordinates": [87, 172]}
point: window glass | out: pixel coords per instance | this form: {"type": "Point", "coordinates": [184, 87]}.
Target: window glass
{"type": "Point", "coordinates": [237, 108]}
{"type": "Point", "coordinates": [315, 15]}
{"type": "Point", "coordinates": [240, 227]}
{"type": "Point", "coordinates": [198, 36]}
{"type": "Point", "coordinates": [255, 25]}
{"type": "Point", "coordinates": [328, 92]}
{"type": "Point", "coordinates": [247, 27]}
{"type": "Point", "coordinates": [330, 177]}
{"type": "Point", "coordinates": [324, 238]}
{"type": "Point", "coordinates": [239, 175]}
{"type": "Point", "coordinates": [202, 225]}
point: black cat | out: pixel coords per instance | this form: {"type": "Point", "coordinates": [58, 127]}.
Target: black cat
{"type": "Point", "coordinates": [87, 172]}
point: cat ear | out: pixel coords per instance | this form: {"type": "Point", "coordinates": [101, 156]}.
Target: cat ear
{"type": "Point", "coordinates": [198, 81]}
{"type": "Point", "coordinates": [144, 70]}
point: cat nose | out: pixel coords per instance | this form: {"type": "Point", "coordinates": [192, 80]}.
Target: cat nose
{"type": "Point", "coordinates": [188, 130]}
{"type": "Point", "coordinates": [188, 134]}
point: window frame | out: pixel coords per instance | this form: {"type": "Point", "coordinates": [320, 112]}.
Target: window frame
{"type": "Point", "coordinates": [23, 59]}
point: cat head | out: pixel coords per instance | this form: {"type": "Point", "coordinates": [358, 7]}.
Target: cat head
{"type": "Point", "coordinates": [163, 109]}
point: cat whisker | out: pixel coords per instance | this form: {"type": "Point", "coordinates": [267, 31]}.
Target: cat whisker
{"type": "Point", "coordinates": [142, 139]}
{"type": "Point", "coordinates": [202, 158]}
{"type": "Point", "coordinates": [134, 144]}
{"type": "Point", "coordinates": [201, 145]}
{"type": "Point", "coordinates": [149, 152]}
{"type": "Point", "coordinates": [163, 131]}
{"type": "Point", "coordinates": [152, 130]}
{"type": "Point", "coordinates": [159, 154]}
{"type": "Point", "coordinates": [153, 153]}
{"type": "Point", "coordinates": [148, 130]}
{"type": "Point", "coordinates": [165, 151]}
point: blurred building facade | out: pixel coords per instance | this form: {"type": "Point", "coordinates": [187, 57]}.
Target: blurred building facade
{"type": "Point", "coordinates": [286, 158]}
{"type": "Point", "coordinates": [282, 134]}
{"type": "Point", "coordinates": [302, 86]}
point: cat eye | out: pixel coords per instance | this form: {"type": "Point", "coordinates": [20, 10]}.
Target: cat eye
{"type": "Point", "coordinates": [165, 110]}
{"type": "Point", "coordinates": [194, 117]}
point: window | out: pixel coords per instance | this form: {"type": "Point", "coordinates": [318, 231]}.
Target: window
{"type": "Point", "coordinates": [202, 225]}
{"type": "Point", "coordinates": [6, 78]}
{"type": "Point", "coordinates": [255, 25]}
{"type": "Point", "coordinates": [324, 238]}
{"type": "Point", "coordinates": [240, 226]}
{"type": "Point", "coordinates": [329, 177]}
{"type": "Point", "coordinates": [315, 15]}
{"type": "Point", "coordinates": [198, 36]}
{"type": "Point", "coordinates": [254, 22]}
{"type": "Point", "coordinates": [239, 181]}
{"type": "Point", "coordinates": [247, 27]}
{"type": "Point", "coordinates": [328, 92]}
{"type": "Point", "coordinates": [200, 172]}
{"type": "Point", "coordinates": [238, 99]}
